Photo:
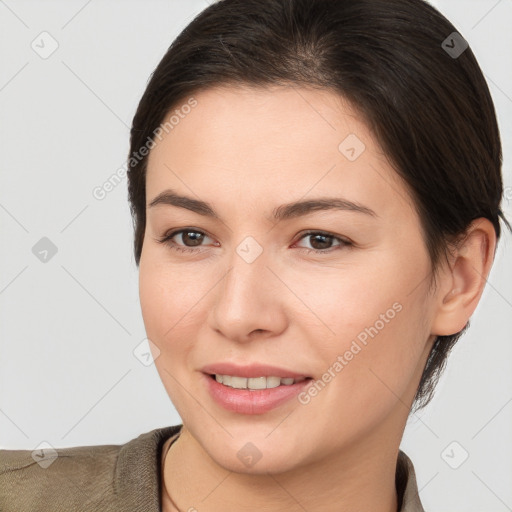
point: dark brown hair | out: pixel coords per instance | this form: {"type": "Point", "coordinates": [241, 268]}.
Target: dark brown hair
{"type": "Point", "coordinates": [429, 108]}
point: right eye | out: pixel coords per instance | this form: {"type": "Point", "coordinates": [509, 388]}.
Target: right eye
{"type": "Point", "coordinates": [192, 235]}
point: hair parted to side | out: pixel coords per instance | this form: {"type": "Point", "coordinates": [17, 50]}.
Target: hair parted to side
{"type": "Point", "coordinates": [431, 113]}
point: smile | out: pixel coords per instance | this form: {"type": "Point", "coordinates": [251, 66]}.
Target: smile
{"type": "Point", "coordinates": [254, 383]}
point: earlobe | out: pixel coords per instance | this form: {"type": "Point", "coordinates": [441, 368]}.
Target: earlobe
{"type": "Point", "coordinates": [463, 283]}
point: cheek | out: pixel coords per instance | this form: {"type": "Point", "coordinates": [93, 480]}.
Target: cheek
{"type": "Point", "coordinates": [367, 374]}
{"type": "Point", "coordinates": [344, 301]}
{"type": "Point", "coordinates": [170, 298]}
{"type": "Point", "coordinates": [376, 336]}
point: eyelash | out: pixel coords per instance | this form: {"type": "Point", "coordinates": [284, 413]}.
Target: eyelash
{"type": "Point", "coordinates": [167, 240]}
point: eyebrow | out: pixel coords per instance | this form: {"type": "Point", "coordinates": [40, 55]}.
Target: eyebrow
{"type": "Point", "coordinates": [283, 212]}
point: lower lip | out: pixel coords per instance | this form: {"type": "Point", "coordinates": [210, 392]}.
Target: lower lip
{"type": "Point", "coordinates": [245, 401]}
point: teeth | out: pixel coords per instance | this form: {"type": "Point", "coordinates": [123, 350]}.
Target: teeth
{"type": "Point", "coordinates": [239, 382]}
{"type": "Point", "coordinates": [272, 382]}
{"type": "Point", "coordinates": [255, 382]}
{"type": "Point", "coordinates": [261, 383]}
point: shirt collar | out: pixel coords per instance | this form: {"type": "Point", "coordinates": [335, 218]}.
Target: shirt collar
{"type": "Point", "coordinates": [406, 485]}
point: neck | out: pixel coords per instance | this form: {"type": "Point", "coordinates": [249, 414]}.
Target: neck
{"type": "Point", "coordinates": [359, 478]}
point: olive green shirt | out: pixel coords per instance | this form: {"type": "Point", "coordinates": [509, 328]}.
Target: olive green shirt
{"type": "Point", "coordinates": [115, 478]}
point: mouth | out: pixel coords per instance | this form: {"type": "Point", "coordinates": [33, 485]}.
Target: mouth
{"type": "Point", "coordinates": [255, 383]}
{"type": "Point", "coordinates": [253, 395]}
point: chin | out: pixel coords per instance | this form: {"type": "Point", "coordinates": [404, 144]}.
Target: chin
{"type": "Point", "coordinates": [254, 463]}
{"type": "Point", "coordinates": [256, 454]}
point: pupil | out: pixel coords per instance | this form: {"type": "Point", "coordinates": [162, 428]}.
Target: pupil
{"type": "Point", "coordinates": [195, 239]}
{"type": "Point", "coordinates": [325, 244]}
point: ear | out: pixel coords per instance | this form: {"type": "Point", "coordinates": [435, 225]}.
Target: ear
{"type": "Point", "coordinates": [463, 281]}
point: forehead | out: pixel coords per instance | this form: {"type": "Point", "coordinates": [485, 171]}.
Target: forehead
{"type": "Point", "coordinates": [283, 119]}
{"type": "Point", "coordinates": [280, 143]}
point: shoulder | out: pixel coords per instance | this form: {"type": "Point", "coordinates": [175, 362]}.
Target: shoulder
{"type": "Point", "coordinates": [54, 478]}
{"type": "Point", "coordinates": [84, 477]}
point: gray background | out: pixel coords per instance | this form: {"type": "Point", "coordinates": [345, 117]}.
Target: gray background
{"type": "Point", "coordinates": [69, 326]}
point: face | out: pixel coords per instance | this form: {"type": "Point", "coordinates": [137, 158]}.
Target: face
{"type": "Point", "coordinates": [337, 292]}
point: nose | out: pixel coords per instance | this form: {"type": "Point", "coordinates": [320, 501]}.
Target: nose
{"type": "Point", "coordinates": [249, 301]}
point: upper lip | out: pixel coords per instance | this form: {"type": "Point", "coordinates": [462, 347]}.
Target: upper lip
{"type": "Point", "coordinates": [251, 370]}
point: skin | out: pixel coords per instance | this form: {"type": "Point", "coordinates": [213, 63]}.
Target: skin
{"type": "Point", "coordinates": [246, 151]}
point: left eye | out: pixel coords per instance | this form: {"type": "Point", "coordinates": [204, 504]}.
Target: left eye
{"type": "Point", "coordinates": [321, 239]}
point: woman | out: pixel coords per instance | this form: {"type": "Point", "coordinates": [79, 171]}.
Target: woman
{"type": "Point", "coordinates": [315, 187]}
